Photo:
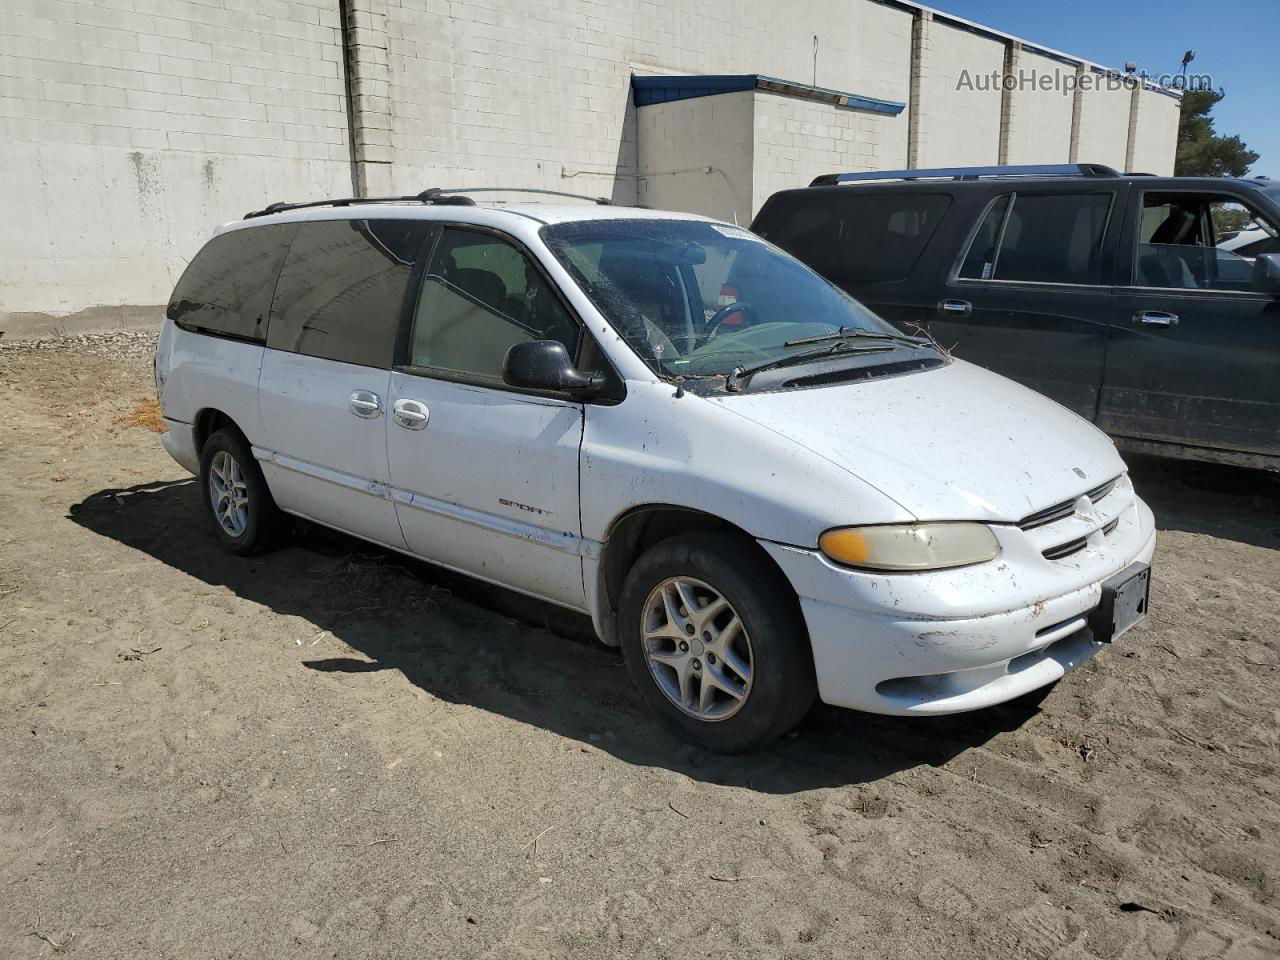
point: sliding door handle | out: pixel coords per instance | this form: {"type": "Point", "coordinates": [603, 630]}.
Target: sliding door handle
{"type": "Point", "coordinates": [955, 308]}
{"type": "Point", "coordinates": [410, 414]}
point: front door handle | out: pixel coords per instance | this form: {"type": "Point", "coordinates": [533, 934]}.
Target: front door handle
{"type": "Point", "coordinates": [365, 404]}
{"type": "Point", "coordinates": [1155, 318]}
{"type": "Point", "coordinates": [410, 414]}
{"type": "Point", "coordinates": [955, 308]}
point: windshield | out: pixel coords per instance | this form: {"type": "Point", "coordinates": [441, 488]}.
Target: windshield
{"type": "Point", "coordinates": [699, 299]}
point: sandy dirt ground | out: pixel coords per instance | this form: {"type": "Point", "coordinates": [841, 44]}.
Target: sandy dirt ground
{"type": "Point", "coordinates": [332, 751]}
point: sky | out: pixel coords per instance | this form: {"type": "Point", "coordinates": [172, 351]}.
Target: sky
{"type": "Point", "coordinates": [1236, 42]}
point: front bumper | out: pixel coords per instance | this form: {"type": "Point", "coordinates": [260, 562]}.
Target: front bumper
{"type": "Point", "coordinates": [948, 641]}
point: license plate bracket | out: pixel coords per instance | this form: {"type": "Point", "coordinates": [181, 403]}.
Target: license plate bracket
{"type": "Point", "coordinates": [1124, 603]}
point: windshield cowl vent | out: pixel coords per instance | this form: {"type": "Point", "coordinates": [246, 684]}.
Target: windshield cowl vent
{"type": "Point", "coordinates": [851, 374]}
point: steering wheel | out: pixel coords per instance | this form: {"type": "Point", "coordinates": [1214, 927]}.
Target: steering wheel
{"type": "Point", "coordinates": [717, 318]}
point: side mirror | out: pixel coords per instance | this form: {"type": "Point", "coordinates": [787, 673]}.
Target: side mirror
{"type": "Point", "coordinates": [546, 365]}
{"type": "Point", "coordinates": [1266, 273]}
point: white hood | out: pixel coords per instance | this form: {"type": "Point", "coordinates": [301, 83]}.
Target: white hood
{"type": "Point", "coordinates": [954, 443]}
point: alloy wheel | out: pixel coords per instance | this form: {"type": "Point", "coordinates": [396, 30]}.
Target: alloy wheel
{"type": "Point", "coordinates": [697, 648]}
{"type": "Point", "coordinates": [228, 493]}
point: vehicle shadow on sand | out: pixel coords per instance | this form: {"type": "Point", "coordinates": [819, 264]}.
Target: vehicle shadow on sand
{"type": "Point", "coordinates": [467, 642]}
{"type": "Point", "coordinates": [1232, 503]}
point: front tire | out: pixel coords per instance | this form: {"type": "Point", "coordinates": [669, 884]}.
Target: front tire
{"type": "Point", "coordinates": [244, 517]}
{"type": "Point", "coordinates": [713, 637]}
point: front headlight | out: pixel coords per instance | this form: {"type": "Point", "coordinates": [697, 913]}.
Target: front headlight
{"type": "Point", "coordinates": [910, 546]}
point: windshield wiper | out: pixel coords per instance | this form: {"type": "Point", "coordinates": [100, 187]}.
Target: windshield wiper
{"type": "Point", "coordinates": [855, 333]}
{"type": "Point", "coordinates": [733, 382]}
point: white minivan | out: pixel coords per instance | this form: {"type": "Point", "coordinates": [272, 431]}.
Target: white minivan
{"type": "Point", "coordinates": [757, 488]}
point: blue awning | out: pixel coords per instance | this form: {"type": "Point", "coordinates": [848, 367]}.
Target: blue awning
{"type": "Point", "coordinates": [647, 91]}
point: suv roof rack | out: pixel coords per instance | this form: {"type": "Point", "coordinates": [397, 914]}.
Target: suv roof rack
{"type": "Point", "coordinates": [444, 196]}
{"type": "Point", "coordinates": [972, 173]}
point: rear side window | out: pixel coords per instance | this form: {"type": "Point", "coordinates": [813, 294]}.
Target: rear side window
{"type": "Point", "coordinates": [1040, 238]}
{"type": "Point", "coordinates": [227, 287]}
{"type": "Point", "coordinates": [342, 287]}
{"type": "Point", "coordinates": [853, 237]}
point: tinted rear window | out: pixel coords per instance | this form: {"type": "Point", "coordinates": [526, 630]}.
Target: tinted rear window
{"type": "Point", "coordinates": [854, 237]}
{"type": "Point", "coordinates": [342, 288]}
{"type": "Point", "coordinates": [1044, 238]}
{"type": "Point", "coordinates": [226, 289]}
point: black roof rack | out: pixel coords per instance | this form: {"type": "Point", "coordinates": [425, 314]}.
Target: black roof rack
{"type": "Point", "coordinates": [971, 173]}
{"type": "Point", "coordinates": [444, 196]}
{"type": "Point", "coordinates": [429, 195]}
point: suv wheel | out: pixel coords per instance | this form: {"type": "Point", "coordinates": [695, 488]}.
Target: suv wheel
{"type": "Point", "coordinates": [244, 516]}
{"type": "Point", "coordinates": [713, 637]}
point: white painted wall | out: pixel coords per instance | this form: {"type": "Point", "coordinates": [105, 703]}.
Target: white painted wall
{"type": "Point", "coordinates": [797, 140]}
{"type": "Point", "coordinates": [131, 129]}
{"type": "Point", "coordinates": [1040, 119]}
{"type": "Point", "coordinates": [724, 155]}
{"type": "Point", "coordinates": [959, 125]}
{"type": "Point", "coordinates": [1104, 125]}
{"type": "Point", "coordinates": [539, 94]}
{"type": "Point", "coordinates": [697, 155]}
{"type": "Point", "coordinates": [1156, 133]}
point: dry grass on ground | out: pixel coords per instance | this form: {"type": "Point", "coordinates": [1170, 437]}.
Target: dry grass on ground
{"type": "Point", "coordinates": [145, 414]}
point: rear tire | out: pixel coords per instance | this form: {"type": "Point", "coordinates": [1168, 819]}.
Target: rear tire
{"type": "Point", "coordinates": [240, 508]}
{"type": "Point", "coordinates": [713, 637]}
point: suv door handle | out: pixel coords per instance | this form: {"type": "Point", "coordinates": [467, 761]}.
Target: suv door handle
{"type": "Point", "coordinates": [365, 404]}
{"type": "Point", "coordinates": [410, 414]}
{"type": "Point", "coordinates": [955, 308]}
{"type": "Point", "coordinates": [1155, 318]}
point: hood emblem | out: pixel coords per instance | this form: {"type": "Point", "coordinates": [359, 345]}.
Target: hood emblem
{"type": "Point", "coordinates": [1079, 473]}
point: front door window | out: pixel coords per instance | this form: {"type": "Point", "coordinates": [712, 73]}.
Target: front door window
{"type": "Point", "coordinates": [1198, 241]}
{"type": "Point", "coordinates": [480, 297]}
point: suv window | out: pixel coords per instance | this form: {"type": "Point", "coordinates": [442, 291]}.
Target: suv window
{"type": "Point", "coordinates": [1199, 241]}
{"type": "Point", "coordinates": [1040, 238]}
{"type": "Point", "coordinates": [226, 289]}
{"type": "Point", "coordinates": [342, 288]}
{"type": "Point", "coordinates": [855, 237]}
{"type": "Point", "coordinates": [480, 297]}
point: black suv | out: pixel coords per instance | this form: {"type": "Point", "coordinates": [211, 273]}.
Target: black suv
{"type": "Point", "coordinates": [1119, 296]}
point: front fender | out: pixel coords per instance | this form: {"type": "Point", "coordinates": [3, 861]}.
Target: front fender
{"type": "Point", "coordinates": [657, 448]}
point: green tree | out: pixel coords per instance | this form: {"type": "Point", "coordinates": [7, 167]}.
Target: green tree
{"type": "Point", "coordinates": [1201, 151]}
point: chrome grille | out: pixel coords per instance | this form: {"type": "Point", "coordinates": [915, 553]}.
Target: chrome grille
{"type": "Point", "coordinates": [1060, 510]}
{"type": "Point", "coordinates": [1076, 545]}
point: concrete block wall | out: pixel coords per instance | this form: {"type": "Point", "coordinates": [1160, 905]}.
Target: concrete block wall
{"type": "Point", "coordinates": [1103, 135]}
{"type": "Point", "coordinates": [697, 155]}
{"type": "Point", "coordinates": [370, 95]}
{"type": "Point", "coordinates": [724, 155]}
{"type": "Point", "coordinates": [1039, 128]}
{"type": "Point", "coordinates": [1155, 133]}
{"type": "Point", "coordinates": [957, 123]}
{"type": "Point", "coordinates": [795, 140]}
{"type": "Point", "coordinates": [539, 94]}
{"type": "Point", "coordinates": [132, 127]}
